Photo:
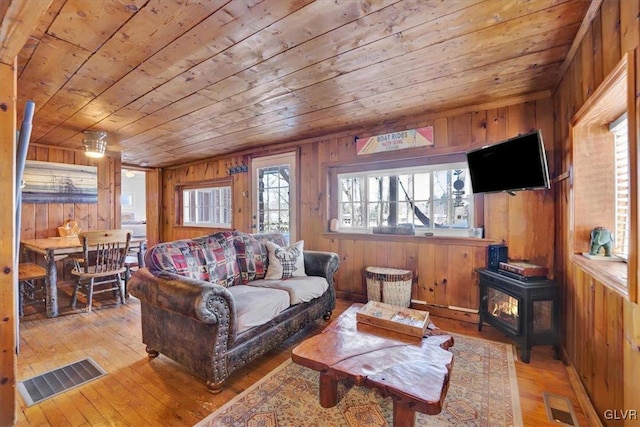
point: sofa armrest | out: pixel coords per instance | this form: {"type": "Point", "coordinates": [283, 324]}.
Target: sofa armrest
{"type": "Point", "coordinates": [319, 263]}
{"type": "Point", "coordinates": [206, 302]}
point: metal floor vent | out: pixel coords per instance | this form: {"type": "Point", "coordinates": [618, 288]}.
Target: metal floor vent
{"type": "Point", "coordinates": [49, 384]}
{"type": "Point", "coordinates": [560, 409]}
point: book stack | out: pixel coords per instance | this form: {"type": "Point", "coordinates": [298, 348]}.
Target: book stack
{"type": "Point", "coordinates": [524, 271]}
{"type": "Point", "coordinates": [400, 319]}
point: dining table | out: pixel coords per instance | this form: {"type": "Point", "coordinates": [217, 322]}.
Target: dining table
{"type": "Point", "coordinates": [56, 248]}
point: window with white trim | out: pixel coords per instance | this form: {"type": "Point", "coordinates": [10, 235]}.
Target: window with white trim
{"type": "Point", "coordinates": [207, 206]}
{"type": "Point", "coordinates": [598, 191]}
{"type": "Point", "coordinates": [621, 160]}
{"type": "Point", "coordinates": [434, 198]}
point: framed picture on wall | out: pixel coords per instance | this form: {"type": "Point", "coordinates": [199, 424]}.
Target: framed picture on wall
{"type": "Point", "coordinates": [48, 182]}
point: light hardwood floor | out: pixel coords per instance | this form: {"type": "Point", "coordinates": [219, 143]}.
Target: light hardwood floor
{"type": "Point", "coordinates": [139, 392]}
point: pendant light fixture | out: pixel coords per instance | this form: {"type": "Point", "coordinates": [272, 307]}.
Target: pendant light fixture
{"type": "Point", "coordinates": [94, 143]}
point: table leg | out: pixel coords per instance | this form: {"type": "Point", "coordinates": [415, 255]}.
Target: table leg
{"type": "Point", "coordinates": [328, 390]}
{"type": "Point", "coordinates": [51, 295]}
{"type": "Point", "coordinates": [403, 416]}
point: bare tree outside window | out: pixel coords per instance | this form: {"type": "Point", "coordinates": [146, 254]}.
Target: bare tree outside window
{"type": "Point", "coordinates": [273, 199]}
{"type": "Point", "coordinates": [435, 198]}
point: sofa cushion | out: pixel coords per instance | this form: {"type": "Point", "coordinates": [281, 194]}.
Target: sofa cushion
{"type": "Point", "coordinates": [210, 258]}
{"type": "Point", "coordinates": [256, 306]}
{"type": "Point", "coordinates": [285, 262]}
{"type": "Point", "coordinates": [275, 237]}
{"type": "Point", "coordinates": [220, 257]}
{"type": "Point", "coordinates": [183, 257]}
{"type": "Point", "coordinates": [300, 289]}
{"type": "Point", "coordinates": [253, 256]}
{"type": "Point", "coordinates": [251, 261]}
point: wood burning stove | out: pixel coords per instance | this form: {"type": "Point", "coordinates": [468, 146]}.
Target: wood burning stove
{"type": "Point", "coordinates": [528, 310]}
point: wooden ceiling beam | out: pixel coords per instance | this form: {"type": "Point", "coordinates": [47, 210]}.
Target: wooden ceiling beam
{"type": "Point", "coordinates": [17, 20]}
{"type": "Point", "coordinates": [594, 7]}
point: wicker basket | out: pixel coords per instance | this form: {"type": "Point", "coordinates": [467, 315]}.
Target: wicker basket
{"type": "Point", "coordinates": [389, 285]}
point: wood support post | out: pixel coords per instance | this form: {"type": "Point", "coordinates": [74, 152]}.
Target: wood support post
{"type": "Point", "coordinates": [8, 264]}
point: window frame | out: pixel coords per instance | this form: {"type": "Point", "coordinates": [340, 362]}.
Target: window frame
{"type": "Point", "coordinates": [285, 158]}
{"type": "Point", "coordinates": [219, 183]}
{"type": "Point", "coordinates": [620, 129]}
{"type": "Point", "coordinates": [614, 96]}
{"type": "Point", "coordinates": [430, 162]}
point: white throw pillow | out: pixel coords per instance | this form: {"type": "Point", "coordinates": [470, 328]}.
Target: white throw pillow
{"type": "Point", "coordinates": [287, 262]}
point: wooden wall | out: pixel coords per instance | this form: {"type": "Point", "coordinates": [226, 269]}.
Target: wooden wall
{"type": "Point", "coordinates": [601, 327]}
{"type": "Point", "coordinates": [41, 220]}
{"type": "Point", "coordinates": [443, 267]}
{"type": "Point", "coordinates": [154, 201]}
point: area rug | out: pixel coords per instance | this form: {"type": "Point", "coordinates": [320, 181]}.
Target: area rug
{"type": "Point", "coordinates": [483, 392]}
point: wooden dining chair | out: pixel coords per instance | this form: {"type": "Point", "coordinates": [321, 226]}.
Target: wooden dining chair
{"type": "Point", "coordinates": [102, 266]}
{"type": "Point", "coordinates": [31, 285]}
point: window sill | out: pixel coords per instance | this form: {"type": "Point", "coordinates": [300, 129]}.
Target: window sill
{"type": "Point", "coordinates": [444, 240]}
{"type": "Point", "coordinates": [612, 274]}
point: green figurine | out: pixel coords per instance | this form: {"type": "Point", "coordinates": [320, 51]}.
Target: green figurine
{"type": "Point", "coordinates": [601, 237]}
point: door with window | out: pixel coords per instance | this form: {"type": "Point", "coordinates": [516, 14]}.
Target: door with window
{"type": "Point", "coordinates": [274, 194]}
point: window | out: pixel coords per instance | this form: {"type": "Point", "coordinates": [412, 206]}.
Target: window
{"type": "Point", "coordinates": [434, 198]}
{"type": "Point", "coordinates": [621, 161]}
{"type": "Point", "coordinates": [207, 206]}
{"type": "Point", "coordinates": [600, 178]}
{"type": "Point", "coordinates": [274, 196]}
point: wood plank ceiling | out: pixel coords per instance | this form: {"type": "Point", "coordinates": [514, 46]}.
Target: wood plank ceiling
{"type": "Point", "coordinates": [173, 81]}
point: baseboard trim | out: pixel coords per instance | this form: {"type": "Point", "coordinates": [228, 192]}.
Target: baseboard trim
{"type": "Point", "coordinates": [349, 296]}
{"type": "Point", "coordinates": [583, 398]}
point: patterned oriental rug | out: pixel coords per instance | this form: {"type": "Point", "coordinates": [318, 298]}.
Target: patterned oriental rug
{"type": "Point", "coordinates": [483, 392]}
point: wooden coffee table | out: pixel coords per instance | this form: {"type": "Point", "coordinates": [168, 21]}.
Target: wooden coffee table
{"type": "Point", "coordinates": [414, 372]}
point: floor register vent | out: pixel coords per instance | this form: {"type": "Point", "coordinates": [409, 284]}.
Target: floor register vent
{"type": "Point", "coordinates": [560, 409]}
{"type": "Point", "coordinates": [49, 384]}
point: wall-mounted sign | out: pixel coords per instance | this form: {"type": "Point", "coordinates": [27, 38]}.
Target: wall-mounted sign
{"type": "Point", "coordinates": [411, 138]}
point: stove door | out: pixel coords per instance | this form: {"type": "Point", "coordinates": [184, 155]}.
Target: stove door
{"type": "Point", "coordinates": [502, 309]}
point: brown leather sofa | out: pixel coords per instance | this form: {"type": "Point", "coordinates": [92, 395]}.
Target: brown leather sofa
{"type": "Point", "coordinates": [197, 311]}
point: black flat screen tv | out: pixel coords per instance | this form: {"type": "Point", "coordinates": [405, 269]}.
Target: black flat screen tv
{"type": "Point", "coordinates": [516, 164]}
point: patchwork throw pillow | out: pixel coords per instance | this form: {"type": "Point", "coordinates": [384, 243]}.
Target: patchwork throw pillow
{"type": "Point", "coordinates": [183, 257]}
{"type": "Point", "coordinates": [252, 263]}
{"type": "Point", "coordinates": [285, 262]}
{"type": "Point", "coordinates": [277, 238]}
{"type": "Point", "coordinates": [220, 257]}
